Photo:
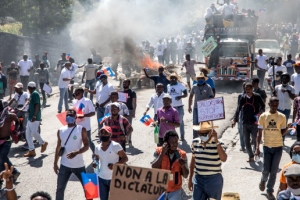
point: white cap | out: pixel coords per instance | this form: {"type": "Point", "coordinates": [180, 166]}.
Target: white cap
{"type": "Point", "coordinates": [167, 96]}
{"type": "Point", "coordinates": [115, 104]}
{"type": "Point", "coordinates": [19, 85]}
{"type": "Point", "coordinates": [31, 84]}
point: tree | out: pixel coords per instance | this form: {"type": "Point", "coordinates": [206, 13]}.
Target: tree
{"type": "Point", "coordinates": [38, 16]}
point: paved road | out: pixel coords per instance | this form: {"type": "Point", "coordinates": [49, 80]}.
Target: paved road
{"type": "Point", "coordinates": [38, 174]}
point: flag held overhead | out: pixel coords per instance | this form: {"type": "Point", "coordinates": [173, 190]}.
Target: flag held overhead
{"type": "Point", "coordinates": [108, 71]}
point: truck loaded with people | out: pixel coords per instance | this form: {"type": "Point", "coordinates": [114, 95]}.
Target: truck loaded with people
{"type": "Point", "coordinates": [233, 36]}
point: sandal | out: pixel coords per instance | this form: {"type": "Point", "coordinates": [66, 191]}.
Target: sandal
{"type": "Point", "coordinates": [262, 186]}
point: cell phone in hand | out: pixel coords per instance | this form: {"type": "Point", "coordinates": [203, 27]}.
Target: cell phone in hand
{"type": "Point", "coordinates": [177, 155]}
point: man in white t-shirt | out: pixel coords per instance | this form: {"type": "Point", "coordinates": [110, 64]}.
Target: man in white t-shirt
{"type": "Point", "coordinates": [177, 91]}
{"type": "Point", "coordinates": [73, 70]}
{"type": "Point", "coordinates": [261, 62]}
{"type": "Point", "coordinates": [20, 98]}
{"type": "Point", "coordinates": [108, 153]}
{"type": "Point", "coordinates": [278, 67]}
{"type": "Point", "coordinates": [63, 84]}
{"type": "Point", "coordinates": [90, 72]}
{"type": "Point", "coordinates": [228, 10]}
{"type": "Point", "coordinates": [75, 141]}
{"type": "Point", "coordinates": [102, 91]}
{"type": "Point", "coordinates": [285, 94]}
{"type": "Point", "coordinates": [156, 100]}
{"type": "Point", "coordinates": [295, 79]}
{"type": "Point", "coordinates": [160, 48]}
{"type": "Point", "coordinates": [85, 109]}
{"type": "Point", "coordinates": [25, 66]}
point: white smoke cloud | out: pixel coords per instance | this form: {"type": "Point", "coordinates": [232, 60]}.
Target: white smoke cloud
{"type": "Point", "coordinates": [112, 20]}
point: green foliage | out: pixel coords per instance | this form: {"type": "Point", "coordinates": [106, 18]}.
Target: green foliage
{"type": "Point", "coordinates": [13, 28]}
{"type": "Point", "coordinates": [38, 16]}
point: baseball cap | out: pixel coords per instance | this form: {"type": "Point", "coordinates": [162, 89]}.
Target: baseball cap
{"type": "Point", "coordinates": [19, 85]}
{"type": "Point", "coordinates": [115, 104]}
{"type": "Point", "coordinates": [31, 84]}
{"type": "Point", "coordinates": [12, 62]}
{"type": "Point", "coordinates": [167, 96]}
{"type": "Point", "coordinates": [292, 170]}
{"type": "Point", "coordinates": [107, 128]}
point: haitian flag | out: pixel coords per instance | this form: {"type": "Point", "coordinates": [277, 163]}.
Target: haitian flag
{"type": "Point", "coordinates": [68, 56]}
{"type": "Point", "coordinates": [147, 120]}
{"type": "Point", "coordinates": [102, 118]}
{"type": "Point", "coordinates": [79, 110]}
{"type": "Point", "coordinates": [108, 71]}
{"type": "Point", "coordinates": [90, 185]}
{"type": "Point", "coordinates": [162, 196]}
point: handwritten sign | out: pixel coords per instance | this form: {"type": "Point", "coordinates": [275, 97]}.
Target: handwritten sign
{"type": "Point", "coordinates": [135, 183]}
{"type": "Point", "coordinates": [211, 109]}
{"type": "Point", "coordinates": [209, 46]}
{"type": "Point", "coordinates": [123, 97]}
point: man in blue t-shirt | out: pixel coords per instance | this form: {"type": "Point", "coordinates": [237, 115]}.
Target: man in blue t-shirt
{"type": "Point", "coordinates": [209, 81]}
{"type": "Point", "coordinates": [289, 64]}
{"type": "Point", "coordinates": [160, 78]}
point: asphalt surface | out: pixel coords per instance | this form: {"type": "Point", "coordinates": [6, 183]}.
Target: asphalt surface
{"type": "Point", "coordinates": [239, 176]}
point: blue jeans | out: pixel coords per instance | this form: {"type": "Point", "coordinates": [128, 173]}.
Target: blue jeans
{"type": "Point", "coordinates": [104, 187]}
{"type": "Point", "coordinates": [181, 114]}
{"type": "Point", "coordinates": [92, 145]}
{"type": "Point", "coordinates": [250, 129]}
{"type": "Point", "coordinates": [206, 187]}
{"type": "Point", "coordinates": [100, 114]}
{"type": "Point", "coordinates": [272, 157]}
{"type": "Point", "coordinates": [195, 122]}
{"type": "Point", "coordinates": [173, 195]}
{"type": "Point", "coordinates": [240, 128]}
{"type": "Point", "coordinates": [63, 96]}
{"type": "Point", "coordinates": [90, 84]}
{"type": "Point", "coordinates": [4, 151]}
{"type": "Point", "coordinates": [63, 178]}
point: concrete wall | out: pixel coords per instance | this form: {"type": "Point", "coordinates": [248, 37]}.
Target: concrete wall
{"type": "Point", "coordinates": [12, 47]}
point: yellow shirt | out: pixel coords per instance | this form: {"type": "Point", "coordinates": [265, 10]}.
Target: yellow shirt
{"type": "Point", "coordinates": [272, 124]}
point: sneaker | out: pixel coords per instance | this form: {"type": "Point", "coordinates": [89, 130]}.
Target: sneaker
{"type": "Point", "coordinates": [16, 176]}
{"type": "Point", "coordinates": [271, 196]}
{"type": "Point", "coordinates": [30, 154]}
{"type": "Point", "coordinates": [25, 146]}
{"type": "Point", "coordinates": [44, 147]}
{"type": "Point", "coordinates": [59, 111]}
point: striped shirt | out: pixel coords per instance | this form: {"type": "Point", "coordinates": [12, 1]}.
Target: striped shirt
{"type": "Point", "coordinates": [119, 127]}
{"type": "Point", "coordinates": [207, 161]}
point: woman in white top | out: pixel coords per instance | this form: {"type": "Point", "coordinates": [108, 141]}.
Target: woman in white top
{"type": "Point", "coordinates": [108, 153]}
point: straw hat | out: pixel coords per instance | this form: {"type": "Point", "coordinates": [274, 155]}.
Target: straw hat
{"type": "Point", "coordinates": [204, 68]}
{"type": "Point", "coordinates": [204, 126]}
{"type": "Point", "coordinates": [174, 74]}
{"type": "Point", "coordinates": [200, 75]}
